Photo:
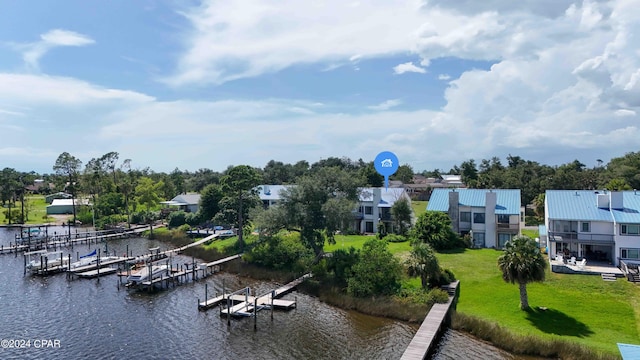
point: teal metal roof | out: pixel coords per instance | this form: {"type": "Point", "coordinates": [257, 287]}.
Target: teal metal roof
{"type": "Point", "coordinates": [629, 351]}
{"type": "Point", "coordinates": [582, 205]}
{"type": "Point", "coordinates": [507, 200]}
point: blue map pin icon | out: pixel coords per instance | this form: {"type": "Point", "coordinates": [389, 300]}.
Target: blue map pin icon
{"type": "Point", "coordinates": [386, 164]}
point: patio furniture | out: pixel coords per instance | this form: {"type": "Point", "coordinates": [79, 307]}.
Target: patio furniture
{"type": "Point", "coordinates": [572, 261]}
{"type": "Point", "coordinates": [559, 259]}
{"type": "Point", "coordinates": [582, 264]}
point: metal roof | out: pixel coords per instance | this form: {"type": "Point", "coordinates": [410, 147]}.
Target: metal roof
{"type": "Point", "coordinates": [507, 200]}
{"type": "Point", "coordinates": [271, 192]}
{"type": "Point", "coordinates": [187, 199]}
{"type": "Point", "coordinates": [629, 351]}
{"type": "Point", "coordinates": [582, 205]}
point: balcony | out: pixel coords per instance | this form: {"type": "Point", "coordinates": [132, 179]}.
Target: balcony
{"type": "Point", "coordinates": [507, 227]}
{"type": "Point", "coordinates": [585, 238]}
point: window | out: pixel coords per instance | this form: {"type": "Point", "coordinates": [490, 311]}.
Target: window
{"type": "Point", "coordinates": [368, 210]}
{"type": "Point", "coordinates": [630, 253]}
{"type": "Point", "coordinates": [585, 227]}
{"type": "Point", "coordinates": [478, 218]}
{"type": "Point", "coordinates": [478, 239]}
{"type": "Point", "coordinates": [629, 229]}
{"type": "Point", "coordinates": [503, 219]}
{"type": "Point", "coordinates": [465, 216]}
{"type": "Point", "coordinates": [502, 240]}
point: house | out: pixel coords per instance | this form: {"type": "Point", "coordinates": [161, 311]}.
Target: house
{"type": "Point", "coordinates": [270, 194]}
{"type": "Point", "coordinates": [189, 202]}
{"type": "Point", "coordinates": [491, 217]}
{"type": "Point", "coordinates": [374, 205]}
{"type": "Point", "coordinates": [59, 195]}
{"type": "Point", "coordinates": [421, 187]}
{"type": "Point", "coordinates": [65, 206]}
{"type": "Point", "coordinates": [593, 225]}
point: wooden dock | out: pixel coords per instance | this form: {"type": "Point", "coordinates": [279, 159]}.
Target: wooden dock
{"type": "Point", "coordinates": [423, 340]}
{"type": "Point", "coordinates": [244, 304]}
{"type": "Point", "coordinates": [63, 240]}
{"type": "Point", "coordinates": [96, 273]}
{"type": "Point", "coordinates": [81, 269]}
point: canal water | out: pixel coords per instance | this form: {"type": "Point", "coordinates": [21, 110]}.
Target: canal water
{"type": "Point", "coordinates": [58, 318]}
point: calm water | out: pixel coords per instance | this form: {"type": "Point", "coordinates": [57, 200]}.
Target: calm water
{"type": "Point", "coordinates": [93, 319]}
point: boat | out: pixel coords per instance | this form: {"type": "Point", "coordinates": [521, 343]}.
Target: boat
{"type": "Point", "coordinates": [91, 259]}
{"type": "Point", "coordinates": [140, 272]}
{"type": "Point", "coordinates": [33, 235]}
{"type": "Point", "coordinates": [43, 261]}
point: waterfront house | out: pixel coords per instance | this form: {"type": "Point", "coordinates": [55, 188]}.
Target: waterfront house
{"type": "Point", "coordinates": [374, 205]}
{"type": "Point", "coordinates": [491, 216]}
{"type": "Point", "coordinates": [594, 225]}
{"type": "Point", "coordinates": [189, 202]}
{"type": "Point", "coordinates": [59, 195]}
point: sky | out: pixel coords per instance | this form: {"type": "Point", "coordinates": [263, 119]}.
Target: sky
{"type": "Point", "coordinates": [208, 84]}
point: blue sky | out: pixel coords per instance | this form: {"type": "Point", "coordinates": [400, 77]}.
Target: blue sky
{"type": "Point", "coordinates": [207, 84]}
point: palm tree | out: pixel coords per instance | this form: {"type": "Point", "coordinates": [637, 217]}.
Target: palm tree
{"type": "Point", "coordinates": [522, 263]}
{"type": "Point", "coordinates": [423, 263]}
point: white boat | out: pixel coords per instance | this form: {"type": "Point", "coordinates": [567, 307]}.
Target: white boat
{"type": "Point", "coordinates": [33, 235]}
{"type": "Point", "coordinates": [43, 260]}
{"type": "Point", "coordinates": [91, 259]}
{"type": "Point", "coordinates": [144, 272]}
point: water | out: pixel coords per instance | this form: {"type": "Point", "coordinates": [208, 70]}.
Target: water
{"type": "Point", "coordinates": [93, 319]}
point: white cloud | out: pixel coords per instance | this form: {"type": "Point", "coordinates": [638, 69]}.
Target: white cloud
{"type": "Point", "coordinates": [386, 105]}
{"type": "Point", "coordinates": [444, 77]}
{"type": "Point", "coordinates": [408, 67]}
{"type": "Point", "coordinates": [32, 52]}
{"type": "Point", "coordinates": [625, 112]}
{"type": "Point", "coordinates": [238, 39]}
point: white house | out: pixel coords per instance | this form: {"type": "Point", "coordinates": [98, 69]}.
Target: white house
{"type": "Point", "coordinates": [493, 216]}
{"type": "Point", "coordinates": [186, 202]}
{"type": "Point", "coordinates": [65, 206]}
{"type": "Point", "coordinates": [374, 205]}
{"type": "Point", "coordinates": [594, 225]}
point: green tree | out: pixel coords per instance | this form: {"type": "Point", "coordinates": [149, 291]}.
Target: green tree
{"type": "Point", "coordinates": [423, 263]}
{"type": "Point", "coordinates": [538, 205]}
{"type": "Point", "coordinates": [9, 189]}
{"type": "Point", "coordinates": [617, 184]}
{"type": "Point", "coordinates": [377, 272]}
{"type": "Point", "coordinates": [210, 198]}
{"type": "Point", "coordinates": [404, 174]}
{"type": "Point", "coordinates": [371, 176]}
{"type": "Point", "coordinates": [68, 166]}
{"type": "Point", "coordinates": [521, 264]}
{"type": "Point", "coordinates": [319, 205]}
{"type": "Point", "coordinates": [401, 214]}
{"type": "Point", "coordinates": [434, 228]}
{"type": "Point", "coordinates": [148, 194]}
{"type": "Point", "coordinates": [239, 185]}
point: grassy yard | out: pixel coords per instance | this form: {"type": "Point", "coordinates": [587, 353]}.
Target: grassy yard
{"type": "Point", "coordinates": [37, 210]}
{"type": "Point", "coordinates": [346, 241]}
{"type": "Point", "coordinates": [530, 233]}
{"type": "Point", "coordinates": [580, 308]}
{"type": "Point", "coordinates": [418, 207]}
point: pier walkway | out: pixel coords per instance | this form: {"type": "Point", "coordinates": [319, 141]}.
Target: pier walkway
{"type": "Point", "coordinates": [423, 340]}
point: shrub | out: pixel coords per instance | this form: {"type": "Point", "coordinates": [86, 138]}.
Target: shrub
{"type": "Point", "coordinates": [137, 217]}
{"type": "Point", "coordinates": [193, 219]}
{"type": "Point", "coordinates": [177, 218]}
{"type": "Point", "coordinates": [377, 272]}
{"type": "Point", "coordinates": [85, 216]}
{"type": "Point", "coordinates": [437, 296]}
{"type": "Point", "coordinates": [281, 252]}
{"type": "Point", "coordinates": [396, 238]}
{"type": "Point", "coordinates": [184, 228]}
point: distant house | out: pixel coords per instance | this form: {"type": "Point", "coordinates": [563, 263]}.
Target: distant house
{"type": "Point", "coordinates": [59, 195]}
{"type": "Point", "coordinates": [493, 216]}
{"type": "Point", "coordinates": [186, 202]}
{"type": "Point", "coordinates": [271, 194]}
{"type": "Point", "coordinates": [422, 187]}
{"type": "Point", "coordinates": [65, 206]}
{"type": "Point", "coordinates": [595, 225]}
{"type": "Point", "coordinates": [374, 205]}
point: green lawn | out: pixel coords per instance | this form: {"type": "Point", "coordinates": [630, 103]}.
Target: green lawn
{"type": "Point", "coordinates": [530, 233]}
{"type": "Point", "coordinates": [346, 241]}
{"type": "Point", "coordinates": [37, 210]}
{"type": "Point", "coordinates": [418, 207]}
{"type": "Point", "coordinates": [581, 308]}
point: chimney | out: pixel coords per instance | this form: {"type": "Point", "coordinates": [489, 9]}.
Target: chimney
{"type": "Point", "coordinates": [602, 201]}
{"type": "Point", "coordinates": [616, 200]}
{"type": "Point", "coordinates": [454, 210]}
